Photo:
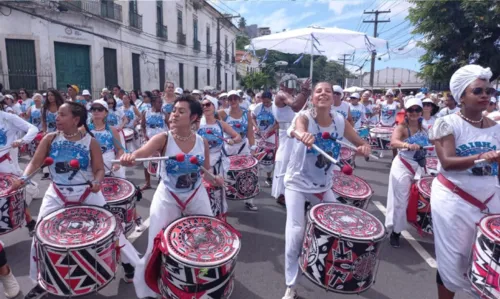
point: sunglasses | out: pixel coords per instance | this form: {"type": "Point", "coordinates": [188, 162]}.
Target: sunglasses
{"type": "Point", "coordinates": [479, 90]}
{"type": "Point", "coordinates": [493, 103]}
{"type": "Point", "coordinates": [411, 110]}
{"type": "Point", "coordinates": [206, 105]}
{"type": "Point", "coordinates": [100, 109]}
{"type": "Point", "coordinates": [233, 99]}
{"type": "Point", "coordinates": [337, 93]}
{"type": "Point", "coordinates": [427, 104]}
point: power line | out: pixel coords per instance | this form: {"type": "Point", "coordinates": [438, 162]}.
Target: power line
{"type": "Point", "coordinates": [393, 27]}
{"type": "Point", "coordinates": [376, 21]}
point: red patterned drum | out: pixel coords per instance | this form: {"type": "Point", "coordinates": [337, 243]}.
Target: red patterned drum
{"type": "Point", "coordinates": [431, 165]}
{"type": "Point", "coordinates": [129, 134]}
{"type": "Point", "coordinates": [152, 166]}
{"type": "Point", "coordinates": [77, 250]}
{"type": "Point", "coordinates": [120, 195]}
{"type": "Point", "coordinates": [215, 195]}
{"type": "Point", "coordinates": [352, 190]}
{"type": "Point", "coordinates": [380, 137]}
{"type": "Point", "coordinates": [199, 258]}
{"type": "Point", "coordinates": [347, 155]}
{"type": "Point", "coordinates": [341, 248]}
{"type": "Point", "coordinates": [242, 177]}
{"type": "Point", "coordinates": [424, 218]}
{"type": "Point", "coordinates": [484, 271]}
{"type": "Point", "coordinates": [11, 204]}
{"type": "Point", "coordinates": [270, 148]}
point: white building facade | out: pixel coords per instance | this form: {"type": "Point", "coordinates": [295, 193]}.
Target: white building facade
{"type": "Point", "coordinates": [100, 43]}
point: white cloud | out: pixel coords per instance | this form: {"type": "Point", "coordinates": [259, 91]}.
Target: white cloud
{"type": "Point", "coordinates": [337, 6]}
{"type": "Point", "coordinates": [243, 9]}
{"type": "Point", "coordinates": [343, 17]}
{"type": "Point", "coordinates": [399, 9]}
{"type": "Point", "coordinates": [281, 19]}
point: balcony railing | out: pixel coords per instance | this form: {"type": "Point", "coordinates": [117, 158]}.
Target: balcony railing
{"type": "Point", "coordinates": [161, 31]}
{"type": "Point", "coordinates": [107, 9]}
{"type": "Point", "coordinates": [197, 45]}
{"type": "Point", "coordinates": [226, 57]}
{"type": "Point", "coordinates": [181, 38]}
{"type": "Point", "coordinates": [111, 10]}
{"type": "Point", "coordinates": [135, 20]}
{"type": "Point", "coordinates": [209, 50]}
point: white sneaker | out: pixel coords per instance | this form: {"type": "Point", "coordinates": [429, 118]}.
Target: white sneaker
{"type": "Point", "coordinates": [10, 285]}
{"type": "Point", "coordinates": [290, 293]}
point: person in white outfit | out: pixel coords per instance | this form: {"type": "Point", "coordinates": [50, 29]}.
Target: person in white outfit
{"type": "Point", "coordinates": [451, 106]}
{"type": "Point", "coordinates": [429, 113]}
{"type": "Point", "coordinates": [340, 106]}
{"type": "Point", "coordinates": [284, 109]}
{"type": "Point", "coordinates": [410, 136]}
{"type": "Point", "coordinates": [71, 187]}
{"type": "Point", "coordinates": [180, 191]}
{"type": "Point", "coordinates": [49, 115]}
{"type": "Point", "coordinates": [388, 110]}
{"type": "Point", "coordinates": [9, 282]}
{"type": "Point", "coordinates": [463, 191]}
{"type": "Point", "coordinates": [238, 119]}
{"type": "Point", "coordinates": [358, 111]}
{"type": "Point", "coordinates": [309, 176]}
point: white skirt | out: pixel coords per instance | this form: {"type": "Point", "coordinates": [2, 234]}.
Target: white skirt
{"type": "Point", "coordinates": [282, 157]}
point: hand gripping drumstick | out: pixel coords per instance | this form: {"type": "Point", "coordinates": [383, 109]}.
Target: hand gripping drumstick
{"type": "Point", "coordinates": [195, 161]}
{"type": "Point", "coordinates": [326, 135]}
{"type": "Point", "coordinates": [75, 165]}
{"type": "Point", "coordinates": [178, 158]}
{"type": "Point", "coordinates": [212, 133]}
{"type": "Point", "coordinates": [482, 160]}
{"type": "Point", "coordinates": [427, 147]}
{"type": "Point", "coordinates": [47, 162]}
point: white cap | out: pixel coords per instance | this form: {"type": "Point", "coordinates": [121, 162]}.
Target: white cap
{"type": "Point", "coordinates": [233, 93]}
{"type": "Point", "coordinates": [85, 92]}
{"type": "Point", "coordinates": [105, 90]}
{"type": "Point", "coordinates": [179, 90]}
{"type": "Point", "coordinates": [493, 100]}
{"type": "Point", "coordinates": [427, 100]}
{"type": "Point", "coordinates": [9, 96]}
{"type": "Point", "coordinates": [44, 94]}
{"type": "Point", "coordinates": [223, 95]}
{"type": "Point", "coordinates": [100, 102]}
{"type": "Point", "coordinates": [239, 91]}
{"type": "Point", "coordinates": [337, 88]}
{"type": "Point", "coordinates": [413, 102]}
{"type": "Point", "coordinates": [389, 92]}
{"type": "Point", "coordinates": [420, 96]}
{"type": "Point", "coordinates": [355, 95]}
{"type": "Point", "coordinates": [196, 91]}
{"type": "Point", "coordinates": [213, 100]}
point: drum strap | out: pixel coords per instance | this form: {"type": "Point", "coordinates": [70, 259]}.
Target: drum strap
{"type": "Point", "coordinates": [5, 157]}
{"type": "Point", "coordinates": [241, 148]}
{"type": "Point", "coordinates": [405, 163]}
{"type": "Point", "coordinates": [180, 203]}
{"type": "Point", "coordinates": [412, 208]}
{"type": "Point", "coordinates": [464, 195]}
{"type": "Point", "coordinates": [84, 196]}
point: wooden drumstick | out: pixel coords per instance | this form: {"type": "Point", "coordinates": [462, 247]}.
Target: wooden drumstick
{"type": "Point", "coordinates": [429, 147]}
{"type": "Point", "coordinates": [178, 158]}
{"type": "Point", "coordinates": [212, 133]}
{"type": "Point", "coordinates": [326, 135]}
{"type": "Point", "coordinates": [47, 162]}
{"type": "Point", "coordinates": [195, 161]}
{"type": "Point", "coordinates": [482, 160]}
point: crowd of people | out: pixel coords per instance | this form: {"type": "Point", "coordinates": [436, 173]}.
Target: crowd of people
{"type": "Point", "coordinates": [214, 127]}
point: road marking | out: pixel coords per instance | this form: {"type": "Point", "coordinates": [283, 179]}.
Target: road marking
{"type": "Point", "coordinates": [135, 234]}
{"type": "Point", "coordinates": [413, 242]}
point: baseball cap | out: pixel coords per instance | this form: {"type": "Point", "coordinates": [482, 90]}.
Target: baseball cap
{"type": "Point", "coordinates": [105, 90]}
{"type": "Point", "coordinates": [427, 100]}
{"type": "Point", "coordinates": [196, 91]}
{"type": "Point", "coordinates": [85, 92]}
{"type": "Point", "coordinates": [413, 102]}
{"type": "Point", "coordinates": [389, 92]}
{"type": "Point", "coordinates": [337, 88]}
{"type": "Point", "coordinates": [179, 90]}
{"type": "Point", "coordinates": [213, 100]}
{"type": "Point", "coordinates": [74, 86]}
{"type": "Point", "coordinates": [355, 95]}
{"type": "Point", "coordinates": [100, 102]}
{"type": "Point", "coordinates": [223, 95]}
{"type": "Point", "coordinates": [239, 91]}
{"type": "Point", "coordinates": [233, 93]}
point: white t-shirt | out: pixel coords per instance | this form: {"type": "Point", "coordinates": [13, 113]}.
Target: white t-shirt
{"type": "Point", "coordinates": [245, 104]}
{"type": "Point", "coordinates": [357, 114]}
{"type": "Point", "coordinates": [388, 113]}
{"type": "Point", "coordinates": [495, 115]}
{"type": "Point", "coordinates": [342, 109]}
{"type": "Point", "coordinates": [447, 111]}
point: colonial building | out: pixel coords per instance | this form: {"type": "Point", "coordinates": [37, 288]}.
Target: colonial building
{"type": "Point", "coordinates": [100, 43]}
{"type": "Point", "coordinates": [246, 63]}
{"type": "Point", "coordinates": [388, 78]}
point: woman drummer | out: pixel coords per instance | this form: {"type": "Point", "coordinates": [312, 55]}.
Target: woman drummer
{"type": "Point", "coordinates": [409, 137]}
{"type": "Point", "coordinates": [237, 118]}
{"type": "Point", "coordinates": [463, 189]}
{"type": "Point", "coordinates": [429, 111]}
{"type": "Point", "coordinates": [71, 186]}
{"type": "Point", "coordinates": [309, 175]}
{"type": "Point", "coordinates": [180, 191]}
{"type": "Point", "coordinates": [132, 118]}
{"type": "Point", "coordinates": [168, 99]}
{"type": "Point", "coordinates": [266, 128]}
{"type": "Point", "coordinates": [49, 115]}
{"type": "Point", "coordinates": [219, 161]}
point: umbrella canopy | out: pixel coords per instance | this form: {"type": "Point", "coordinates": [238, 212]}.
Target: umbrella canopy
{"type": "Point", "coordinates": [354, 89]}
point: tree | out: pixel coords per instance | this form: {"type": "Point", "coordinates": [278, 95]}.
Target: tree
{"type": "Point", "coordinates": [242, 23]}
{"type": "Point", "coordinates": [258, 80]}
{"type": "Point", "coordinates": [456, 33]}
{"type": "Point", "coordinates": [241, 42]}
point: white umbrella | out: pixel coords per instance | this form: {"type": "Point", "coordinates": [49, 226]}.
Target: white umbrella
{"type": "Point", "coordinates": [354, 89]}
{"type": "Point", "coordinates": [316, 41]}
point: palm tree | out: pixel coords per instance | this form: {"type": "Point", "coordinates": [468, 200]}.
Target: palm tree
{"type": "Point", "coordinates": [242, 23]}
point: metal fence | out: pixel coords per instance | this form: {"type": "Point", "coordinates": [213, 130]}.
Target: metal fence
{"type": "Point", "coordinates": [26, 79]}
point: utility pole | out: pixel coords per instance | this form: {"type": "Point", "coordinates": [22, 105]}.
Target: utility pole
{"type": "Point", "coordinates": [343, 71]}
{"type": "Point", "coordinates": [218, 55]}
{"type": "Point", "coordinates": [376, 21]}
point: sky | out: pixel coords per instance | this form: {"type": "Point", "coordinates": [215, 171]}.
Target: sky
{"type": "Point", "coordinates": [346, 14]}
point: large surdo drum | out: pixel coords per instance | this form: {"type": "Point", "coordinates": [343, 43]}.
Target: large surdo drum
{"type": "Point", "coordinates": [352, 190]}
{"type": "Point", "coordinates": [11, 204]}
{"type": "Point", "coordinates": [120, 195]}
{"type": "Point", "coordinates": [242, 177]}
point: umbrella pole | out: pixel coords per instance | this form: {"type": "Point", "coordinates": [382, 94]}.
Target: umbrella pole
{"type": "Point", "coordinates": [312, 62]}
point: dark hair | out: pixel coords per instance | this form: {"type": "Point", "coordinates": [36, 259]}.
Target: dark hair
{"type": "Point", "coordinates": [135, 93]}
{"type": "Point", "coordinates": [78, 110]}
{"type": "Point", "coordinates": [25, 91]}
{"type": "Point", "coordinates": [117, 86]}
{"type": "Point", "coordinates": [111, 97]}
{"type": "Point", "coordinates": [129, 98]}
{"type": "Point", "coordinates": [16, 97]}
{"type": "Point", "coordinates": [46, 104]}
{"type": "Point", "coordinates": [267, 95]}
{"type": "Point", "coordinates": [122, 91]}
{"type": "Point", "coordinates": [149, 94]}
{"type": "Point", "coordinates": [153, 100]}
{"type": "Point", "coordinates": [156, 90]}
{"type": "Point", "coordinates": [194, 105]}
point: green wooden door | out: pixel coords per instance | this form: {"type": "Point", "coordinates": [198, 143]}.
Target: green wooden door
{"type": "Point", "coordinates": [72, 65]}
{"type": "Point", "coordinates": [21, 63]}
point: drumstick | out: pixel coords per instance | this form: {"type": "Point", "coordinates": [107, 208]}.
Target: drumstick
{"type": "Point", "coordinates": [345, 168]}
{"type": "Point", "coordinates": [75, 165]}
{"type": "Point", "coordinates": [212, 133]}
{"type": "Point", "coordinates": [326, 135]}
{"type": "Point", "coordinates": [47, 162]}
{"type": "Point", "coordinates": [178, 158]}
{"type": "Point", "coordinates": [482, 160]}
{"type": "Point", "coordinates": [427, 147]}
{"type": "Point", "coordinates": [195, 161]}
{"type": "Point", "coordinates": [5, 148]}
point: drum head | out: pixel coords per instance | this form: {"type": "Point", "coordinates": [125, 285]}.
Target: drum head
{"type": "Point", "coordinates": [350, 186]}
{"type": "Point", "coordinates": [75, 226]}
{"type": "Point", "coordinates": [347, 222]}
{"type": "Point", "coordinates": [116, 189]}
{"type": "Point", "coordinates": [266, 145]}
{"type": "Point", "coordinates": [6, 181]}
{"type": "Point", "coordinates": [431, 162]}
{"type": "Point", "coordinates": [490, 226]}
{"type": "Point", "coordinates": [424, 186]}
{"type": "Point", "coordinates": [240, 162]}
{"type": "Point", "coordinates": [201, 241]}
{"type": "Point", "coordinates": [346, 153]}
{"type": "Point", "coordinates": [382, 130]}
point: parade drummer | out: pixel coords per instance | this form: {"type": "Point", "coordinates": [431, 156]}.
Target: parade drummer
{"type": "Point", "coordinates": [284, 109]}
{"type": "Point", "coordinates": [309, 176]}
{"type": "Point", "coordinates": [115, 117]}
{"type": "Point", "coordinates": [168, 99]}
{"type": "Point", "coordinates": [180, 191]}
{"type": "Point", "coordinates": [463, 191]}
{"type": "Point", "coordinates": [237, 118]}
{"type": "Point", "coordinates": [69, 185]}
{"type": "Point", "coordinates": [219, 161]}
{"type": "Point", "coordinates": [33, 114]}
{"type": "Point", "coordinates": [340, 106]}
{"type": "Point", "coordinates": [9, 282]}
{"type": "Point", "coordinates": [358, 112]}
{"type": "Point", "coordinates": [409, 137]}
{"type": "Point", "coordinates": [132, 118]}
{"type": "Point", "coordinates": [388, 110]}
{"type": "Point", "coordinates": [266, 128]}
{"type": "Point", "coordinates": [49, 115]}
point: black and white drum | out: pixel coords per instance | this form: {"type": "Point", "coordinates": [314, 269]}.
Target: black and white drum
{"type": "Point", "coordinates": [341, 248]}
{"type": "Point", "coordinates": [199, 258]}
{"type": "Point", "coordinates": [11, 204]}
{"type": "Point", "coordinates": [120, 195]}
{"type": "Point", "coordinates": [77, 250]}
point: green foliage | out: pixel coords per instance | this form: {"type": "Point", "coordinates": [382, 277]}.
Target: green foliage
{"type": "Point", "coordinates": [456, 33]}
{"type": "Point", "coordinates": [242, 23]}
{"type": "Point", "coordinates": [241, 42]}
{"type": "Point", "coordinates": [258, 80]}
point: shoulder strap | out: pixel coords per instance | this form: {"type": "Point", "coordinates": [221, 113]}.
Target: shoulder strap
{"type": "Point", "coordinates": [165, 145]}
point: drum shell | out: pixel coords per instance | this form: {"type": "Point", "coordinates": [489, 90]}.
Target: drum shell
{"type": "Point", "coordinates": [128, 134]}
{"type": "Point", "coordinates": [123, 208]}
{"type": "Point", "coordinates": [431, 165]}
{"type": "Point", "coordinates": [380, 140]}
{"type": "Point", "coordinates": [424, 216]}
{"type": "Point", "coordinates": [215, 194]}
{"type": "Point", "coordinates": [270, 148]}
{"type": "Point", "coordinates": [347, 155]}
{"type": "Point", "coordinates": [12, 209]}
{"type": "Point", "coordinates": [361, 202]}
{"type": "Point", "coordinates": [244, 181]}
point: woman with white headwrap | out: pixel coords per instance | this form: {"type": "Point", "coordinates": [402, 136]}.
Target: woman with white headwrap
{"type": "Point", "coordinates": [462, 188]}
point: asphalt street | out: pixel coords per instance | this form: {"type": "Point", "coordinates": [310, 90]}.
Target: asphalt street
{"type": "Point", "coordinates": [405, 273]}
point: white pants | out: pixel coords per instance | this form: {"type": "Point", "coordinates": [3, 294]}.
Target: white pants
{"type": "Point", "coordinates": [52, 202]}
{"type": "Point", "coordinates": [398, 194]}
{"type": "Point", "coordinates": [108, 166]}
{"type": "Point", "coordinates": [454, 228]}
{"type": "Point", "coordinates": [10, 166]}
{"type": "Point", "coordinates": [281, 163]}
{"type": "Point", "coordinates": [163, 211]}
{"type": "Point", "coordinates": [295, 227]}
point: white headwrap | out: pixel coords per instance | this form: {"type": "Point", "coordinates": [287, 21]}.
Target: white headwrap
{"type": "Point", "coordinates": [214, 101]}
{"type": "Point", "coordinates": [465, 76]}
